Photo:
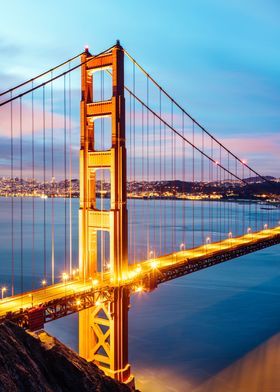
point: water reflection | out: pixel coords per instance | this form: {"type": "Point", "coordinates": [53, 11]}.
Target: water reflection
{"type": "Point", "coordinates": [213, 331]}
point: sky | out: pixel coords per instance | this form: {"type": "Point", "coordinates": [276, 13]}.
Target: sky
{"type": "Point", "coordinates": [219, 59]}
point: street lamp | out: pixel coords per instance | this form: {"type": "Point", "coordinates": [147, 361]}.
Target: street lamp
{"type": "Point", "coordinates": [31, 296]}
{"type": "Point", "coordinates": [154, 264]}
{"type": "Point", "coordinates": [65, 277]}
{"type": "Point", "coordinates": [230, 237]}
{"type": "Point", "coordinates": [138, 269]}
{"type": "Point", "coordinates": [208, 240]}
{"type": "Point", "coordinates": [3, 290]}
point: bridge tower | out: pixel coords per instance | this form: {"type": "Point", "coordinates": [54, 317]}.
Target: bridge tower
{"type": "Point", "coordinates": [103, 329]}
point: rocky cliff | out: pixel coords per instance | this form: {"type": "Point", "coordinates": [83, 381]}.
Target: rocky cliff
{"type": "Point", "coordinates": [31, 363]}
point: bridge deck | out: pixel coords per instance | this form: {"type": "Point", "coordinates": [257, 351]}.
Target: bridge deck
{"type": "Point", "coordinates": [72, 296]}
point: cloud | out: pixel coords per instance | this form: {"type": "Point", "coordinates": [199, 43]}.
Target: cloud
{"type": "Point", "coordinates": [260, 144]}
{"type": "Point", "coordinates": [5, 119]}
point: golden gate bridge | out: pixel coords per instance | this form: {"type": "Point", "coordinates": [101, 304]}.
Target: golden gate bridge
{"type": "Point", "coordinates": [132, 141]}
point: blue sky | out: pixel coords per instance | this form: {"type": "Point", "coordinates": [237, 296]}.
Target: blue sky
{"type": "Point", "coordinates": [219, 59]}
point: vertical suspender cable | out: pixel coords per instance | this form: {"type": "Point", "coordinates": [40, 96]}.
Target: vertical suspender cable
{"type": "Point", "coordinates": [224, 200]}
{"type": "Point", "coordinates": [220, 204]}
{"type": "Point", "coordinates": [193, 151]}
{"type": "Point", "coordinates": [33, 190]}
{"type": "Point", "coordinates": [211, 214]}
{"type": "Point", "coordinates": [209, 193]}
{"type": "Point", "coordinates": [164, 178]}
{"type": "Point", "coordinates": [256, 211]}
{"type": "Point", "coordinates": [148, 178]}
{"type": "Point", "coordinates": [160, 177]}
{"type": "Point", "coordinates": [44, 174]}
{"type": "Point", "coordinates": [70, 171]}
{"type": "Point", "coordinates": [202, 183]}
{"type": "Point", "coordinates": [184, 180]}
{"type": "Point", "coordinates": [134, 169]}
{"type": "Point", "coordinates": [21, 201]}
{"type": "Point", "coordinates": [154, 178]}
{"type": "Point", "coordinates": [65, 176]}
{"type": "Point", "coordinates": [130, 179]}
{"type": "Point", "coordinates": [52, 159]}
{"type": "Point", "coordinates": [173, 180]}
{"type": "Point", "coordinates": [243, 204]}
{"type": "Point", "coordinates": [12, 199]}
{"type": "Point", "coordinates": [143, 179]}
{"type": "Point", "coordinates": [250, 201]}
{"type": "Point", "coordinates": [228, 203]}
{"type": "Point", "coordinates": [237, 209]}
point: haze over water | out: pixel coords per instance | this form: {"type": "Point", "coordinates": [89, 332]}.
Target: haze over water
{"type": "Point", "coordinates": [216, 330]}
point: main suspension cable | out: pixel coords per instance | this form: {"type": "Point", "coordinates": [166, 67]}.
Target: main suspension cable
{"type": "Point", "coordinates": [40, 75]}
{"type": "Point", "coordinates": [193, 119]}
{"type": "Point", "coordinates": [183, 137]}
{"type": "Point", "coordinates": [53, 78]}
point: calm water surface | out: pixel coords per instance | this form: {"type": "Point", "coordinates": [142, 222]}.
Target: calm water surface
{"type": "Point", "coordinates": [216, 330]}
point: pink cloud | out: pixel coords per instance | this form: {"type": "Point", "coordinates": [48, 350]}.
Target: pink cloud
{"type": "Point", "coordinates": [5, 119]}
{"type": "Point", "coordinates": [243, 145]}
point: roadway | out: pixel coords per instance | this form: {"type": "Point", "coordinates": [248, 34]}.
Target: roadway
{"type": "Point", "coordinates": [135, 275]}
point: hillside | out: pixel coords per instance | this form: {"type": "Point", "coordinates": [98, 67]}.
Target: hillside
{"type": "Point", "coordinates": [30, 363]}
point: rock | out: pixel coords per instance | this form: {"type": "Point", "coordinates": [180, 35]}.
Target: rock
{"type": "Point", "coordinates": [40, 363]}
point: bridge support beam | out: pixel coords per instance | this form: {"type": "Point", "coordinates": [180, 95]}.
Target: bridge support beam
{"type": "Point", "coordinates": [103, 330]}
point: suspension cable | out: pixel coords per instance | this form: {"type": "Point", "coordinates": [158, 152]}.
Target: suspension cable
{"type": "Point", "coordinates": [184, 138]}
{"type": "Point", "coordinates": [192, 118]}
{"type": "Point", "coordinates": [54, 78]}
{"type": "Point", "coordinates": [41, 75]}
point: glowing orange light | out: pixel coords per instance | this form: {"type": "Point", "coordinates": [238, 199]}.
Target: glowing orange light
{"type": "Point", "coordinates": [154, 264]}
{"type": "Point", "coordinates": [138, 269]}
{"type": "Point", "coordinates": [65, 276]}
